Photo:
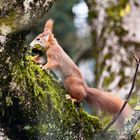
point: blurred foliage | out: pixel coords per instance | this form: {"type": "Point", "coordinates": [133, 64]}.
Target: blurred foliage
{"type": "Point", "coordinates": [111, 45]}
{"type": "Point", "coordinates": [113, 40]}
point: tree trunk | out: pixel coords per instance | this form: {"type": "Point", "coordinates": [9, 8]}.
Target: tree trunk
{"type": "Point", "coordinates": [32, 102]}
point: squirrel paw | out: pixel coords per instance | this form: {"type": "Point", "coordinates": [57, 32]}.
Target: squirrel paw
{"type": "Point", "coordinates": [73, 100]}
{"type": "Point", "coordinates": [68, 97]}
{"type": "Point", "coordinates": [44, 67]}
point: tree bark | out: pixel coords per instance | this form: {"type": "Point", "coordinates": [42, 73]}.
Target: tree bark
{"type": "Point", "coordinates": [32, 102]}
{"type": "Point", "coordinates": [128, 130]}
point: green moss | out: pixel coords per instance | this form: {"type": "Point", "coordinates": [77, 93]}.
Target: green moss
{"type": "Point", "coordinates": [38, 49]}
{"type": "Point", "coordinates": [136, 134]}
{"type": "Point", "coordinates": [133, 99]}
{"type": "Point", "coordinates": [43, 102]}
{"type": "Point", "coordinates": [91, 124]}
{"type": "Point", "coordinates": [10, 19]}
{"type": "Point", "coordinates": [114, 10]}
{"type": "Point", "coordinates": [37, 46]}
{"type": "Point", "coordinates": [9, 101]}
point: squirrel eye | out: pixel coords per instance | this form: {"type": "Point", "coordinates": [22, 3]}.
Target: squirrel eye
{"type": "Point", "coordinates": [38, 39]}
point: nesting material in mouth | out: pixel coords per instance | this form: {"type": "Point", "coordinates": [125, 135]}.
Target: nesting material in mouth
{"type": "Point", "coordinates": [38, 50]}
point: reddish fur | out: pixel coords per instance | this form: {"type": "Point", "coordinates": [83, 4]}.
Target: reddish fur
{"type": "Point", "coordinates": [105, 100]}
{"type": "Point", "coordinates": [35, 58]}
{"type": "Point", "coordinates": [48, 25]}
{"type": "Point", "coordinates": [74, 82]}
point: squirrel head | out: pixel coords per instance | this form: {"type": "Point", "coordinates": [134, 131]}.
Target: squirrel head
{"type": "Point", "coordinates": [42, 42]}
{"type": "Point", "coordinates": [44, 39]}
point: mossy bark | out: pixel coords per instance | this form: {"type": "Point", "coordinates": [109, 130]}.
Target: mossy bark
{"type": "Point", "coordinates": [32, 102]}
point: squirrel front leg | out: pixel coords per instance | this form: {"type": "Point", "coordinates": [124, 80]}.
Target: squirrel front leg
{"type": "Point", "coordinates": [73, 100]}
{"type": "Point", "coordinates": [35, 58]}
{"type": "Point", "coordinates": [51, 64]}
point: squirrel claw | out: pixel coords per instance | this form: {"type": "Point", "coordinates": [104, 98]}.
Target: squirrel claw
{"type": "Point", "coordinates": [43, 67]}
{"type": "Point", "coordinates": [40, 65]}
{"type": "Point", "coordinates": [68, 97]}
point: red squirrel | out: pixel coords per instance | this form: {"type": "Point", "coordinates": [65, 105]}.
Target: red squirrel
{"type": "Point", "coordinates": [56, 59]}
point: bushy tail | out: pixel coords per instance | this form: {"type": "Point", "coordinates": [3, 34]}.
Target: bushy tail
{"type": "Point", "coordinates": [107, 102]}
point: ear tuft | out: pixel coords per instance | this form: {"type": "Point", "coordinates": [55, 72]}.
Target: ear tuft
{"type": "Point", "coordinates": [48, 25]}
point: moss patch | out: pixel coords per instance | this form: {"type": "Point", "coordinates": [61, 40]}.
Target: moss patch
{"type": "Point", "coordinates": [44, 111]}
{"type": "Point", "coordinates": [10, 19]}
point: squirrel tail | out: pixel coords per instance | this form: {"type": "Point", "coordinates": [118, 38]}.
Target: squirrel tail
{"type": "Point", "coordinates": [107, 102]}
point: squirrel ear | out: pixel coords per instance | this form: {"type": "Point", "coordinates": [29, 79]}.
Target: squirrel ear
{"type": "Point", "coordinates": [48, 25]}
